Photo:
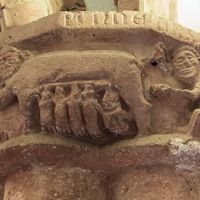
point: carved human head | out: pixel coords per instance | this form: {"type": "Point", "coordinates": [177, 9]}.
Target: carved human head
{"type": "Point", "coordinates": [185, 64]}
{"type": "Point", "coordinates": [11, 60]}
{"type": "Point", "coordinates": [110, 100]}
{"type": "Point", "coordinates": [88, 92]}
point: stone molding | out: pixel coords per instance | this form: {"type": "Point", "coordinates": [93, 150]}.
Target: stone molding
{"type": "Point", "coordinates": [126, 21]}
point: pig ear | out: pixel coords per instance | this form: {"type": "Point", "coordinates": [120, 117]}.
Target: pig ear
{"type": "Point", "coordinates": [160, 52]}
{"type": "Point", "coordinates": [140, 64]}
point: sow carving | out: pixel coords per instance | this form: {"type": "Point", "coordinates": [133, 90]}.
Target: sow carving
{"type": "Point", "coordinates": [94, 95]}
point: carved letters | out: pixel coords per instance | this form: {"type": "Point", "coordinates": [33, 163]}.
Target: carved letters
{"type": "Point", "coordinates": [126, 19]}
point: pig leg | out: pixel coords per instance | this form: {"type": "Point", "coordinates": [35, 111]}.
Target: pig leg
{"type": "Point", "coordinates": [128, 80]}
{"type": "Point", "coordinates": [6, 96]}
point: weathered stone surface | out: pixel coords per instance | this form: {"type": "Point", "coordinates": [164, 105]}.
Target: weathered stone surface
{"type": "Point", "coordinates": [73, 183]}
{"type": "Point", "coordinates": [118, 171]}
{"type": "Point", "coordinates": [167, 9]}
{"type": "Point", "coordinates": [84, 80]}
{"type": "Point", "coordinates": [61, 30]}
{"type": "Point", "coordinates": [14, 13]}
{"type": "Point", "coordinates": [92, 100]}
{"type": "Point", "coordinates": [18, 13]}
{"type": "Point", "coordinates": [27, 150]}
{"type": "Point", "coordinates": [2, 183]}
{"type": "Point", "coordinates": [155, 183]}
{"type": "Point", "coordinates": [22, 12]}
{"type": "Point", "coordinates": [152, 80]}
{"type": "Point", "coordinates": [54, 183]}
{"type": "Point", "coordinates": [57, 105]}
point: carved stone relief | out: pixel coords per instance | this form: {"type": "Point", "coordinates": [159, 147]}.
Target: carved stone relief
{"type": "Point", "coordinates": [112, 97]}
{"type": "Point", "coordinates": [127, 19]}
{"type": "Point", "coordinates": [104, 104]}
{"type": "Point", "coordinates": [68, 94]}
{"type": "Point", "coordinates": [11, 60]}
{"type": "Point", "coordinates": [175, 97]}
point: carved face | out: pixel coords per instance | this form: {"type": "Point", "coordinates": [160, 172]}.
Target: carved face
{"type": "Point", "coordinates": [185, 66]}
{"type": "Point", "coordinates": [110, 101]}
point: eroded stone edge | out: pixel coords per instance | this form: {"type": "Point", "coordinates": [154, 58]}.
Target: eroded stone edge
{"type": "Point", "coordinates": [30, 150]}
{"type": "Point", "coordinates": [127, 21]}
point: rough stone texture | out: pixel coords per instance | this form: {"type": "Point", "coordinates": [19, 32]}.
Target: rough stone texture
{"type": "Point", "coordinates": [72, 84]}
{"type": "Point", "coordinates": [61, 98]}
{"type": "Point", "coordinates": [17, 13]}
{"type": "Point", "coordinates": [50, 183]}
{"type": "Point", "coordinates": [61, 30]}
{"type": "Point", "coordinates": [155, 183]}
{"type": "Point", "coordinates": [22, 12]}
{"type": "Point", "coordinates": [2, 183]}
{"type": "Point", "coordinates": [54, 183]}
{"type": "Point", "coordinates": [123, 170]}
{"type": "Point", "coordinates": [159, 7]}
{"type": "Point", "coordinates": [28, 150]}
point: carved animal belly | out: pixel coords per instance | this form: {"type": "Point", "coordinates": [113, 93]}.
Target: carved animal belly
{"type": "Point", "coordinates": [68, 94]}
